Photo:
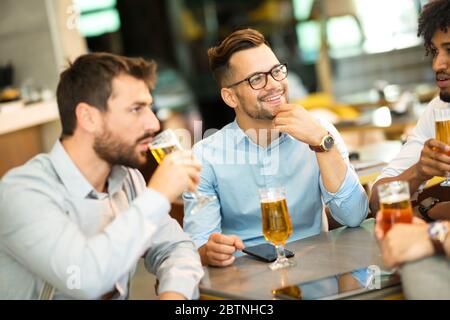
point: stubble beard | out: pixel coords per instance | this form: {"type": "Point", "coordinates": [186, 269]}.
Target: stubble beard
{"type": "Point", "coordinates": [116, 152]}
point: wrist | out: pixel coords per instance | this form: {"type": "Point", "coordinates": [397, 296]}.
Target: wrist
{"type": "Point", "coordinates": [170, 295]}
{"type": "Point", "coordinates": [438, 233]}
{"type": "Point", "coordinates": [162, 191]}
{"type": "Point", "coordinates": [420, 176]}
{"type": "Point", "coordinates": [202, 254]}
{"type": "Point", "coordinates": [425, 207]}
{"type": "Point", "coordinates": [326, 143]}
{"type": "Point", "coordinates": [447, 245]}
{"type": "Point", "coordinates": [317, 140]}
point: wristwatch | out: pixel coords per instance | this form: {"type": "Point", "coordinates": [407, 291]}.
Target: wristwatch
{"type": "Point", "coordinates": [438, 231]}
{"type": "Point", "coordinates": [425, 206]}
{"type": "Point", "coordinates": [325, 145]}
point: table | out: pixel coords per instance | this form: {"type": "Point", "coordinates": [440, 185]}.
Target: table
{"type": "Point", "coordinates": [337, 251]}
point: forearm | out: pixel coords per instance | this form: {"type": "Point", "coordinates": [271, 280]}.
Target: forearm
{"type": "Point", "coordinates": [348, 206]}
{"type": "Point", "coordinates": [171, 296]}
{"type": "Point", "coordinates": [441, 211]}
{"type": "Point", "coordinates": [332, 169]}
{"type": "Point", "coordinates": [411, 175]}
{"type": "Point", "coordinates": [447, 246]}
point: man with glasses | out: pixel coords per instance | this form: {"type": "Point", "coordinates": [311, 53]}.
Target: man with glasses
{"type": "Point", "coordinates": [271, 143]}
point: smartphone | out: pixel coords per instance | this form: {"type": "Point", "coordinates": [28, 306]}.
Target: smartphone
{"type": "Point", "coordinates": [340, 286]}
{"type": "Point", "coordinates": [266, 252]}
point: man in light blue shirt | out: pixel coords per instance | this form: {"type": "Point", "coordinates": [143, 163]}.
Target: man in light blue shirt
{"type": "Point", "coordinates": [74, 222]}
{"type": "Point", "coordinates": [271, 143]}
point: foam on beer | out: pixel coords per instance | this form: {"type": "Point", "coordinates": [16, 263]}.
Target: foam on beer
{"type": "Point", "coordinates": [161, 145]}
{"type": "Point", "coordinates": [395, 198]}
{"type": "Point", "coordinates": [274, 199]}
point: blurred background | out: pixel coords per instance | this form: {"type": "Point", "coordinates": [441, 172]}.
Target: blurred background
{"type": "Point", "coordinates": [357, 63]}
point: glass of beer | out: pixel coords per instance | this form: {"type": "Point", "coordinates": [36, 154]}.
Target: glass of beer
{"type": "Point", "coordinates": [395, 204]}
{"type": "Point", "coordinates": [442, 124]}
{"type": "Point", "coordinates": [167, 142]}
{"type": "Point", "coordinates": [276, 223]}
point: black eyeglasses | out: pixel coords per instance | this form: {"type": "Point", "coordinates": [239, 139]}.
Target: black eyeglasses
{"type": "Point", "coordinates": [259, 80]}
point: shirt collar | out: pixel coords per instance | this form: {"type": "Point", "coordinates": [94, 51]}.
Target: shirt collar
{"type": "Point", "coordinates": [73, 179]}
{"type": "Point", "coordinates": [240, 135]}
{"type": "Point", "coordinates": [116, 179]}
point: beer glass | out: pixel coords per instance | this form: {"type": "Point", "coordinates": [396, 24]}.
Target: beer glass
{"type": "Point", "coordinates": [395, 204]}
{"type": "Point", "coordinates": [442, 124]}
{"type": "Point", "coordinates": [276, 223]}
{"type": "Point", "coordinates": [167, 142]}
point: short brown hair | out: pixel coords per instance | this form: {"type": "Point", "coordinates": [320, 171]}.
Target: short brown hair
{"type": "Point", "coordinates": [219, 57]}
{"type": "Point", "coordinates": [89, 79]}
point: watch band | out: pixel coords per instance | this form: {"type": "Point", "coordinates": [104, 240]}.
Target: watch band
{"type": "Point", "coordinates": [438, 232]}
{"type": "Point", "coordinates": [320, 147]}
{"type": "Point", "coordinates": [425, 206]}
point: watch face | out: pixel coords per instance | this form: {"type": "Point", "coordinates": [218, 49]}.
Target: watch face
{"type": "Point", "coordinates": [328, 142]}
{"type": "Point", "coordinates": [437, 230]}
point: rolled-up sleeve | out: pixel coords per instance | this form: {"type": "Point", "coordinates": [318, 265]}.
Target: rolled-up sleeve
{"type": "Point", "coordinates": [349, 205]}
{"type": "Point", "coordinates": [175, 261]}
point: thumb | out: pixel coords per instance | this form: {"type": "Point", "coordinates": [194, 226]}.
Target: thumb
{"type": "Point", "coordinates": [238, 243]}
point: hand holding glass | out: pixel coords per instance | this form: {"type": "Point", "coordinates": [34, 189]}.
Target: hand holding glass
{"type": "Point", "coordinates": [395, 204]}
{"type": "Point", "coordinates": [276, 223]}
{"type": "Point", "coordinates": [167, 142]}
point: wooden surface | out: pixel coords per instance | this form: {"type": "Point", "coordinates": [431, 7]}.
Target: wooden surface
{"type": "Point", "coordinates": [24, 133]}
{"type": "Point", "coordinates": [18, 147]}
{"type": "Point", "coordinates": [338, 251]}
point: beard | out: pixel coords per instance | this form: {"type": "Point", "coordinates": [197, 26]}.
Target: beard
{"type": "Point", "coordinates": [445, 96]}
{"type": "Point", "coordinates": [259, 112]}
{"type": "Point", "coordinates": [116, 152]}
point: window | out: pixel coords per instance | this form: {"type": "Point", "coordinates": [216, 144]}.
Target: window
{"type": "Point", "coordinates": [97, 17]}
{"type": "Point", "coordinates": [376, 26]}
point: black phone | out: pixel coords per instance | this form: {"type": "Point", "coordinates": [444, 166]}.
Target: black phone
{"type": "Point", "coordinates": [266, 252]}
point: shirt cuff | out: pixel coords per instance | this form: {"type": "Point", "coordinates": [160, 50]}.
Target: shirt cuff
{"type": "Point", "coordinates": [153, 205]}
{"type": "Point", "coordinates": [186, 286]}
{"type": "Point", "coordinates": [345, 191]}
{"type": "Point", "coordinates": [199, 242]}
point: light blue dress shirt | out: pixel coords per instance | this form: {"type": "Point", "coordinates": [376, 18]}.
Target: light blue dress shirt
{"type": "Point", "coordinates": [234, 167]}
{"type": "Point", "coordinates": [55, 227]}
